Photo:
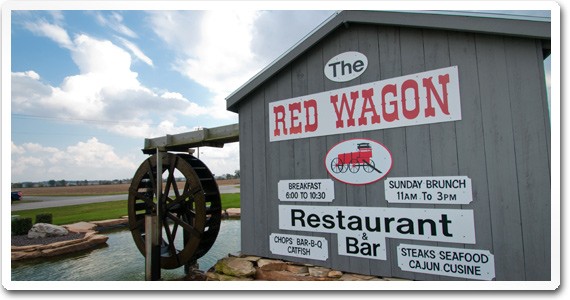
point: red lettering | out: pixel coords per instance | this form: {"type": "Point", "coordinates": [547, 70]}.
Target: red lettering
{"type": "Point", "coordinates": [410, 114]}
{"type": "Point", "coordinates": [310, 127]}
{"type": "Point", "coordinates": [389, 117]}
{"type": "Point", "coordinates": [294, 129]}
{"type": "Point", "coordinates": [343, 106]}
{"type": "Point", "coordinates": [368, 107]}
{"type": "Point", "coordinates": [443, 80]}
{"type": "Point", "coordinates": [279, 116]}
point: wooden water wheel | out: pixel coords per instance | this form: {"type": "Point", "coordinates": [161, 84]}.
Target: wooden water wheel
{"type": "Point", "coordinates": [190, 207]}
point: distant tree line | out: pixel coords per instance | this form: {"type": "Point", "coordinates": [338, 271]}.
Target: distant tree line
{"type": "Point", "coordinates": [228, 176]}
{"type": "Point", "coordinates": [63, 182]}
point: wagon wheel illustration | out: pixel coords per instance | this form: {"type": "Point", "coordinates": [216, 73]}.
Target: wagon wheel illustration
{"type": "Point", "coordinates": [190, 210]}
{"type": "Point", "coordinates": [369, 167]}
{"type": "Point", "coordinates": [353, 166]}
{"type": "Point", "coordinates": [337, 166]}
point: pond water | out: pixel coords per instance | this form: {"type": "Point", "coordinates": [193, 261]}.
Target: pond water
{"type": "Point", "coordinates": [119, 260]}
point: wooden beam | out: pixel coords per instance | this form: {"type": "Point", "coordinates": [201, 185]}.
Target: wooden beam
{"type": "Point", "coordinates": [182, 142]}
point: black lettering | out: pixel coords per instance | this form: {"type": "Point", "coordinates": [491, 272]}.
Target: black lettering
{"type": "Point", "coordinates": [387, 224]}
{"type": "Point", "coordinates": [294, 212]}
{"type": "Point", "coordinates": [333, 65]}
{"type": "Point", "coordinates": [369, 227]}
{"type": "Point", "coordinates": [340, 217]}
{"type": "Point", "coordinates": [328, 222]}
{"type": "Point", "coordinates": [409, 224]}
{"type": "Point", "coordinates": [355, 223]}
{"type": "Point", "coordinates": [313, 220]}
{"type": "Point", "coordinates": [421, 223]}
{"type": "Point", "coordinates": [351, 245]}
{"type": "Point", "coordinates": [444, 222]}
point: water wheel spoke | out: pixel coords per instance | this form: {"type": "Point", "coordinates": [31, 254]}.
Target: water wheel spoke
{"type": "Point", "coordinates": [139, 224]}
{"type": "Point", "coordinates": [181, 198]}
{"type": "Point", "coordinates": [189, 214]}
{"type": "Point", "coordinates": [151, 176]}
{"type": "Point", "coordinates": [170, 237]}
{"type": "Point", "coordinates": [170, 178]}
{"type": "Point", "coordinates": [185, 225]}
{"type": "Point", "coordinates": [175, 229]}
{"type": "Point", "coordinates": [148, 200]}
{"type": "Point", "coordinates": [175, 188]}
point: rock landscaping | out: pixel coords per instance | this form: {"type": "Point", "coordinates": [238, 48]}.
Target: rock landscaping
{"type": "Point", "coordinates": [250, 268]}
{"type": "Point", "coordinates": [46, 240]}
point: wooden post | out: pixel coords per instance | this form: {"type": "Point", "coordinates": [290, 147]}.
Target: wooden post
{"type": "Point", "coordinates": [153, 228]}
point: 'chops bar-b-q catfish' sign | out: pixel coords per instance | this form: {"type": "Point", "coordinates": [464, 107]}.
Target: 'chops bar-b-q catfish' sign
{"type": "Point", "coordinates": [422, 98]}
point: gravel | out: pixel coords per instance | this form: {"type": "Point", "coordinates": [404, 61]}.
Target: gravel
{"type": "Point", "coordinates": [23, 240]}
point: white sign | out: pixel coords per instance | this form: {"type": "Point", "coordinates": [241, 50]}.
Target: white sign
{"type": "Point", "coordinates": [308, 190]}
{"type": "Point", "coordinates": [429, 190]}
{"type": "Point", "coordinates": [311, 247]}
{"type": "Point", "coordinates": [358, 161]}
{"type": "Point", "coordinates": [346, 66]}
{"type": "Point", "coordinates": [365, 245]}
{"type": "Point", "coordinates": [438, 225]}
{"type": "Point", "coordinates": [416, 99]}
{"type": "Point", "coordinates": [453, 262]}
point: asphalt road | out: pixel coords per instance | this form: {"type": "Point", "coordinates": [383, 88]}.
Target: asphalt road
{"type": "Point", "coordinates": [56, 201]}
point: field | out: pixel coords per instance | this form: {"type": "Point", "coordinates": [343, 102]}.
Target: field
{"type": "Point", "coordinates": [109, 189]}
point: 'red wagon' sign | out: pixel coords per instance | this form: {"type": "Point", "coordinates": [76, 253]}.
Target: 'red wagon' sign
{"type": "Point", "coordinates": [422, 98]}
{"type": "Point", "coordinates": [358, 161]}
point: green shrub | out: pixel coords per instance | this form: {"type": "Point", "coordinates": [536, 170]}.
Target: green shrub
{"type": "Point", "coordinates": [44, 218]}
{"type": "Point", "coordinates": [21, 226]}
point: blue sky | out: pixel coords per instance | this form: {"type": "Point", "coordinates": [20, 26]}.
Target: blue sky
{"type": "Point", "coordinates": [89, 85]}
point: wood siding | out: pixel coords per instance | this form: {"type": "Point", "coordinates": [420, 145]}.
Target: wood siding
{"type": "Point", "coordinates": [502, 143]}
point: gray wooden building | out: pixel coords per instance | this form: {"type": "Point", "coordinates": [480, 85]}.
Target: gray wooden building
{"type": "Point", "coordinates": [490, 69]}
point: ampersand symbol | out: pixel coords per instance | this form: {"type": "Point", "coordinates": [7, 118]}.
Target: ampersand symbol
{"type": "Point", "coordinates": [364, 237]}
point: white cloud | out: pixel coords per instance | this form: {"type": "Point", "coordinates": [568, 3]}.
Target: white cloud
{"type": "Point", "coordinates": [106, 89]}
{"type": "Point", "coordinates": [54, 32]}
{"type": "Point", "coordinates": [114, 20]}
{"type": "Point", "coordinates": [217, 55]}
{"type": "Point", "coordinates": [94, 154]}
{"type": "Point", "coordinates": [230, 47]}
{"type": "Point", "coordinates": [30, 74]}
{"type": "Point", "coordinates": [136, 51]}
{"type": "Point", "coordinates": [221, 161]}
{"type": "Point", "coordinates": [89, 159]}
{"type": "Point", "coordinates": [167, 25]}
{"type": "Point", "coordinates": [17, 149]}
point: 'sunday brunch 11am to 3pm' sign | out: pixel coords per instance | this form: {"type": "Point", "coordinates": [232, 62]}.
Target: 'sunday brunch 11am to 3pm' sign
{"type": "Point", "coordinates": [421, 98]}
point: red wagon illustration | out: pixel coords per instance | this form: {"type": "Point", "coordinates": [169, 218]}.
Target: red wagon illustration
{"type": "Point", "coordinates": [353, 161]}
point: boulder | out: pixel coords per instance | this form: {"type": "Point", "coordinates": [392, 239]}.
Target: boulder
{"type": "Point", "coordinates": [111, 223]}
{"type": "Point", "coordinates": [264, 261]}
{"type": "Point", "coordinates": [41, 230]}
{"type": "Point", "coordinates": [286, 276]}
{"type": "Point", "coordinates": [319, 272]}
{"type": "Point", "coordinates": [63, 247]}
{"type": "Point", "coordinates": [334, 274]}
{"type": "Point", "coordinates": [233, 212]}
{"type": "Point", "coordinates": [235, 266]}
{"type": "Point", "coordinates": [297, 269]}
{"type": "Point", "coordinates": [93, 241]}
{"type": "Point", "coordinates": [253, 259]}
{"type": "Point", "coordinates": [80, 227]}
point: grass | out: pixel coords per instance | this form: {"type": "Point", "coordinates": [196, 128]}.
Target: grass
{"type": "Point", "coordinates": [100, 211]}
